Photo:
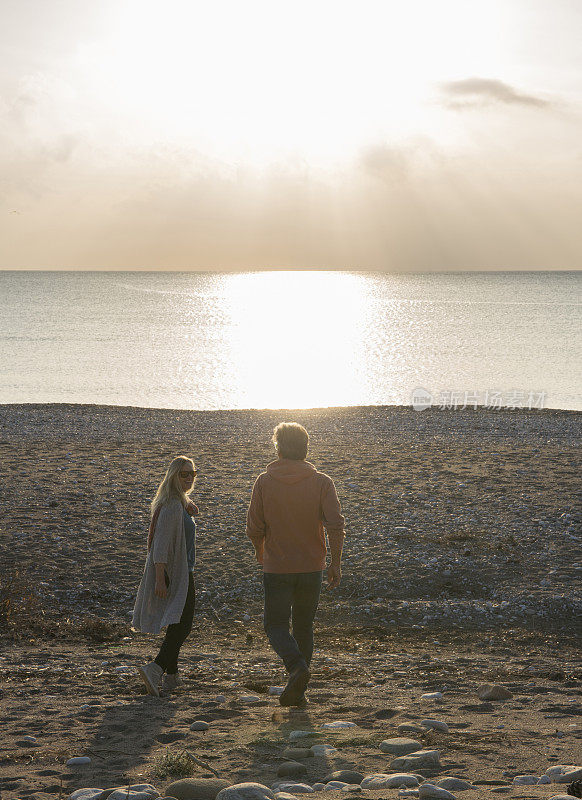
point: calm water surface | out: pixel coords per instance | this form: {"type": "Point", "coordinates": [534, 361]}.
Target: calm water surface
{"type": "Point", "coordinates": [290, 339]}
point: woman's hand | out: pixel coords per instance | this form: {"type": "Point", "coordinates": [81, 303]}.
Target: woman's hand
{"type": "Point", "coordinates": [161, 590]}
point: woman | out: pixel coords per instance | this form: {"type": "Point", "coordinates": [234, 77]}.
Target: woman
{"type": "Point", "coordinates": [166, 592]}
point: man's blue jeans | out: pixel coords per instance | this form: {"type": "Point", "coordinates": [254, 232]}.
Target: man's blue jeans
{"type": "Point", "coordinates": [291, 596]}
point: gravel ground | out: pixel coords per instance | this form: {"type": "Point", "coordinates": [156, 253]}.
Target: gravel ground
{"type": "Point", "coordinates": [454, 519]}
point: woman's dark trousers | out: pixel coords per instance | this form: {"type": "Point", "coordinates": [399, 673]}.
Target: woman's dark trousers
{"type": "Point", "coordinates": [291, 597]}
{"type": "Point", "coordinates": [176, 634]}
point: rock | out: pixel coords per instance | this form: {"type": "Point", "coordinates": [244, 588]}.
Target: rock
{"type": "Point", "coordinates": [78, 761]}
{"type": "Point", "coordinates": [298, 788]}
{"type": "Point", "coordinates": [344, 775]}
{"type": "Point", "coordinates": [352, 787]}
{"type": "Point", "coordinates": [291, 769]}
{"type": "Point", "coordinates": [285, 796]}
{"type": "Point", "coordinates": [525, 780]}
{"type": "Point", "coordinates": [196, 788]}
{"type": "Point", "coordinates": [199, 725]}
{"type": "Point", "coordinates": [493, 691]}
{"type": "Point", "coordinates": [220, 698]}
{"type": "Point", "coordinates": [295, 735]}
{"type": "Point", "coordinates": [561, 797]}
{"type": "Point", "coordinates": [454, 784]}
{"type": "Point", "coordinates": [249, 699]}
{"type": "Point", "coordinates": [421, 759]}
{"type": "Point", "coordinates": [408, 793]}
{"type": "Point", "coordinates": [434, 696]}
{"type": "Point", "coordinates": [428, 791]}
{"type": "Point", "coordinates": [297, 753]}
{"type": "Point", "coordinates": [400, 746]}
{"type": "Point", "coordinates": [86, 794]}
{"type": "Point", "coordinates": [142, 791]}
{"type": "Point", "coordinates": [335, 786]}
{"type": "Point", "coordinates": [393, 780]}
{"type": "Point", "coordinates": [562, 773]}
{"type": "Point", "coordinates": [317, 787]}
{"type": "Point", "coordinates": [544, 780]}
{"type": "Point", "coordinates": [275, 691]}
{"type": "Point", "coordinates": [435, 725]}
{"type": "Point", "coordinates": [340, 723]}
{"type": "Point", "coordinates": [410, 727]}
{"type": "Point", "coordinates": [323, 749]}
{"type": "Point", "coordinates": [246, 791]}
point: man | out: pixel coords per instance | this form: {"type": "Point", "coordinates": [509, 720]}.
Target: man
{"type": "Point", "coordinates": [290, 505]}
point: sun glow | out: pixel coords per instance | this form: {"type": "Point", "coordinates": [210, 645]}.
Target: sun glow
{"type": "Point", "coordinates": [304, 350]}
{"type": "Point", "coordinates": [259, 80]}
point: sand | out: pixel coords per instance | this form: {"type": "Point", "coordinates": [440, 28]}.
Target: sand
{"type": "Point", "coordinates": [462, 565]}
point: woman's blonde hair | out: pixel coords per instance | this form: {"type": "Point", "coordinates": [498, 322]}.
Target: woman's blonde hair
{"type": "Point", "coordinates": [170, 486]}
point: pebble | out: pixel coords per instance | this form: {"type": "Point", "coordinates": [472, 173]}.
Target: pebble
{"type": "Point", "coordinates": [294, 735]}
{"type": "Point", "coordinates": [85, 794]}
{"type": "Point", "coordinates": [323, 749]}
{"type": "Point", "coordinates": [298, 788]}
{"type": "Point", "coordinates": [244, 791]}
{"type": "Point", "coordinates": [250, 698]}
{"type": "Point", "coordinates": [196, 788]}
{"type": "Point", "coordinates": [292, 769]}
{"type": "Point", "coordinates": [335, 786]}
{"type": "Point", "coordinates": [525, 780]}
{"type": "Point", "coordinates": [29, 739]}
{"type": "Point", "coordinates": [199, 725]}
{"type": "Point", "coordinates": [544, 780]}
{"type": "Point", "coordinates": [297, 753]}
{"type": "Point", "coordinates": [435, 725]}
{"type": "Point", "coordinates": [285, 796]}
{"type": "Point", "coordinates": [562, 773]}
{"type": "Point", "coordinates": [275, 691]}
{"type": "Point", "coordinates": [220, 698]}
{"type": "Point", "coordinates": [428, 791]}
{"type": "Point", "coordinates": [410, 727]}
{"type": "Point", "coordinates": [78, 761]}
{"type": "Point", "coordinates": [418, 760]}
{"type": "Point", "coordinates": [340, 723]}
{"type": "Point", "coordinates": [141, 791]}
{"type": "Point", "coordinates": [400, 746]}
{"type": "Point", "coordinates": [345, 775]}
{"type": "Point", "coordinates": [393, 780]}
{"type": "Point", "coordinates": [408, 793]}
{"type": "Point", "coordinates": [435, 696]}
{"type": "Point", "coordinates": [318, 787]}
{"type": "Point", "coordinates": [454, 784]}
{"type": "Point", "coordinates": [493, 691]}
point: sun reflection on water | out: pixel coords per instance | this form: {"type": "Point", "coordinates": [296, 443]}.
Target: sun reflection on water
{"type": "Point", "coordinates": [296, 337]}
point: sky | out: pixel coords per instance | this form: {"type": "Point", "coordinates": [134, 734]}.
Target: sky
{"type": "Point", "coordinates": [409, 135]}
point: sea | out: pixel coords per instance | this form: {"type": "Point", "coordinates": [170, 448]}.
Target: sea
{"type": "Point", "coordinates": [292, 339]}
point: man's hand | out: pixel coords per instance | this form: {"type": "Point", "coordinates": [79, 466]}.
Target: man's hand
{"type": "Point", "coordinates": [259, 555]}
{"type": "Point", "coordinates": [334, 576]}
{"type": "Point", "coordinates": [160, 590]}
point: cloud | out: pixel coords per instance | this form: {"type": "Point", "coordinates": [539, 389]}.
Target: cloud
{"type": "Point", "coordinates": [472, 92]}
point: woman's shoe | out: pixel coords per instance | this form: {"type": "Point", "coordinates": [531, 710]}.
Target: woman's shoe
{"type": "Point", "coordinates": [151, 675]}
{"type": "Point", "coordinates": [171, 682]}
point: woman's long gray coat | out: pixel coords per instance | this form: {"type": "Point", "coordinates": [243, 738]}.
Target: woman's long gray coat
{"type": "Point", "coordinates": [151, 613]}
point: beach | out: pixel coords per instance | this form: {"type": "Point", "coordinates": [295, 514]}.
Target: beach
{"type": "Point", "coordinates": [461, 567]}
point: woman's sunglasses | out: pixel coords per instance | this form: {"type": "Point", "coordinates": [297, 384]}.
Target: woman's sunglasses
{"type": "Point", "coordinates": [188, 473]}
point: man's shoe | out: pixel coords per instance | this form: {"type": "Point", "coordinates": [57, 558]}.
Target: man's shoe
{"type": "Point", "coordinates": [296, 686]}
{"type": "Point", "coordinates": [171, 682]}
{"type": "Point", "coordinates": [151, 675]}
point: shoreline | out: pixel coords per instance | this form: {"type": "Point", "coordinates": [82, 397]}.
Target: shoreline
{"type": "Point", "coordinates": [394, 407]}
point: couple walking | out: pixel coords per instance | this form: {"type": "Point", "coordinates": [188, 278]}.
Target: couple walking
{"type": "Point", "coordinates": [291, 504]}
